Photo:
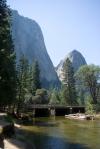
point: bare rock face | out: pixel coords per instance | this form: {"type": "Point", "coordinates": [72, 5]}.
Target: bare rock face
{"type": "Point", "coordinates": [77, 60]}
{"type": "Point", "coordinates": [28, 39]}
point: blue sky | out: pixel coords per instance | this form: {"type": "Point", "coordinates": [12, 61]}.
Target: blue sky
{"type": "Point", "coordinates": [66, 25]}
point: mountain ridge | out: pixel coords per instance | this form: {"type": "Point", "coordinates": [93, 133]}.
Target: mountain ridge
{"type": "Point", "coordinates": [28, 39]}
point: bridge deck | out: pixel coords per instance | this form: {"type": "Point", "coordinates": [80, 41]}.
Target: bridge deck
{"type": "Point", "coordinates": [52, 106]}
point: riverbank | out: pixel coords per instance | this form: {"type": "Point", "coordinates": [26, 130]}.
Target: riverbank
{"type": "Point", "coordinates": [11, 134]}
{"type": "Point", "coordinates": [61, 133]}
{"type": "Point", "coordinates": [37, 134]}
{"type": "Point", "coordinates": [13, 144]}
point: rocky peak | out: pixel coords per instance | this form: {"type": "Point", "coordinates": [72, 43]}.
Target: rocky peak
{"type": "Point", "coordinates": [77, 60]}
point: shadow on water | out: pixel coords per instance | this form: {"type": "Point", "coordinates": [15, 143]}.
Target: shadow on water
{"type": "Point", "coordinates": [40, 123]}
{"type": "Point", "coordinates": [43, 141]}
{"type": "Point", "coordinates": [45, 124]}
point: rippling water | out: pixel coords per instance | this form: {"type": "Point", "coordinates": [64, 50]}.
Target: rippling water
{"type": "Point", "coordinates": [61, 133]}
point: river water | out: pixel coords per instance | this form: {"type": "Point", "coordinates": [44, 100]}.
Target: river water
{"type": "Point", "coordinates": [61, 133]}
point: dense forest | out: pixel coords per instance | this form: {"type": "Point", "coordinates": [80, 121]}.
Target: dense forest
{"type": "Point", "coordinates": [20, 81]}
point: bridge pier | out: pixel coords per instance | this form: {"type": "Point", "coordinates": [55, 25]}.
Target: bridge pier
{"type": "Point", "coordinates": [52, 111]}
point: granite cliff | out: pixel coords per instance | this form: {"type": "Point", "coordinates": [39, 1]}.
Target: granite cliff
{"type": "Point", "coordinates": [77, 60]}
{"type": "Point", "coordinates": [28, 39]}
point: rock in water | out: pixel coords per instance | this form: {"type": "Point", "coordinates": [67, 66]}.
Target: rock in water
{"type": "Point", "coordinates": [77, 60]}
{"type": "Point", "coordinates": [28, 39]}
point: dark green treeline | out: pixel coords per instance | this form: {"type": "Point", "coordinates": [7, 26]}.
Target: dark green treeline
{"type": "Point", "coordinates": [7, 58]}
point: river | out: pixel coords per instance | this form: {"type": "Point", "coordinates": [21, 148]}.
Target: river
{"type": "Point", "coordinates": [61, 133]}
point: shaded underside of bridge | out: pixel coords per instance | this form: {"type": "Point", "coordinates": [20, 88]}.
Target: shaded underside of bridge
{"type": "Point", "coordinates": [48, 110]}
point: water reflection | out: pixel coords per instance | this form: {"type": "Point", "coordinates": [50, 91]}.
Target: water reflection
{"type": "Point", "coordinates": [45, 124]}
{"type": "Point", "coordinates": [60, 133]}
{"type": "Point", "coordinates": [47, 142]}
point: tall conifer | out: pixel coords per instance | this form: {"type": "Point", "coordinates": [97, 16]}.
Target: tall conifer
{"type": "Point", "coordinates": [7, 58]}
{"type": "Point", "coordinates": [69, 83]}
{"type": "Point", "coordinates": [22, 81]}
{"type": "Point", "coordinates": [36, 76]}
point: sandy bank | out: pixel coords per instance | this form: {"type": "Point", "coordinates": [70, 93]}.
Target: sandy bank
{"type": "Point", "coordinates": [13, 144]}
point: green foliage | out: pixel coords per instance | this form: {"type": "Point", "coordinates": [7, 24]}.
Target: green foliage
{"type": "Point", "coordinates": [22, 80]}
{"type": "Point", "coordinates": [36, 99]}
{"type": "Point", "coordinates": [81, 92]}
{"type": "Point", "coordinates": [55, 97]}
{"type": "Point", "coordinates": [43, 93]}
{"type": "Point", "coordinates": [41, 97]}
{"type": "Point", "coordinates": [28, 84]}
{"type": "Point", "coordinates": [97, 107]}
{"type": "Point", "coordinates": [64, 95]}
{"type": "Point", "coordinates": [79, 101]}
{"type": "Point", "coordinates": [89, 76]}
{"type": "Point", "coordinates": [89, 106]}
{"type": "Point", "coordinates": [68, 90]}
{"type": "Point", "coordinates": [36, 77]}
{"type": "Point", "coordinates": [7, 58]}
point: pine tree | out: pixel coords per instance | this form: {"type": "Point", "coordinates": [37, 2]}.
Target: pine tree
{"type": "Point", "coordinates": [7, 58]}
{"type": "Point", "coordinates": [23, 81]}
{"type": "Point", "coordinates": [31, 68]}
{"type": "Point", "coordinates": [36, 77]}
{"type": "Point", "coordinates": [69, 92]}
{"type": "Point", "coordinates": [55, 97]}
